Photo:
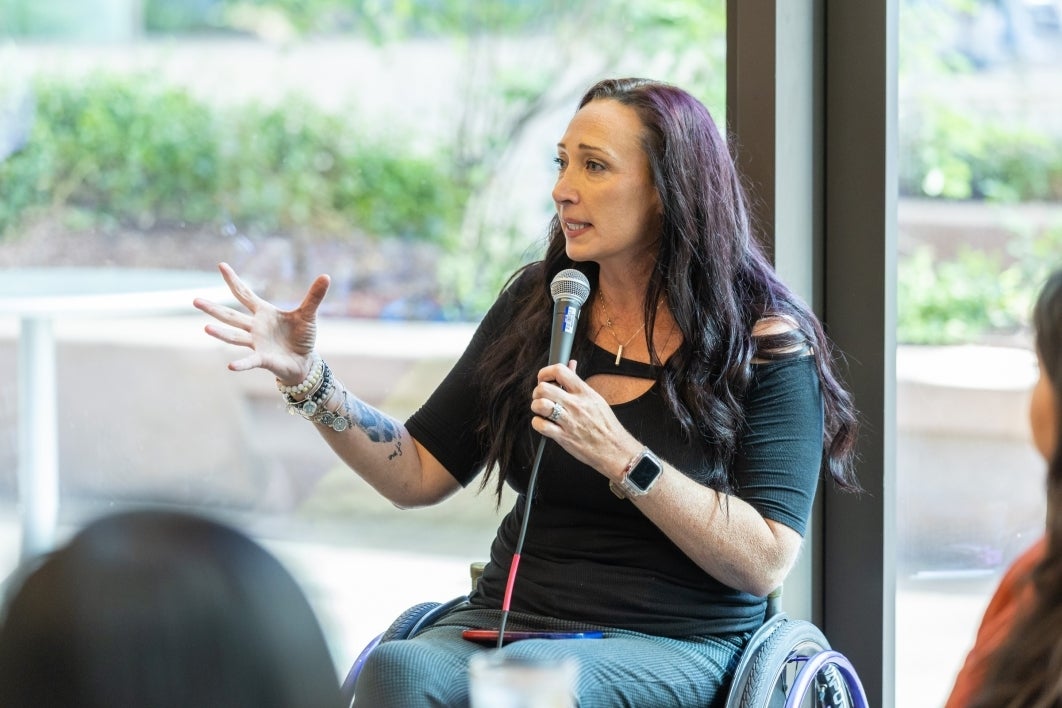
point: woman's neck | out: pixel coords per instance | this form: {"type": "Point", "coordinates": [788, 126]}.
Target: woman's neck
{"type": "Point", "coordinates": [623, 293]}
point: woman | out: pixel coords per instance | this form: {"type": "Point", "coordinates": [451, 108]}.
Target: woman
{"type": "Point", "coordinates": [692, 365]}
{"type": "Point", "coordinates": [1016, 660]}
{"type": "Point", "coordinates": [162, 609]}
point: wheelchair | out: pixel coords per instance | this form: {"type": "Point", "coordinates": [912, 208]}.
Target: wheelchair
{"type": "Point", "coordinates": [788, 663]}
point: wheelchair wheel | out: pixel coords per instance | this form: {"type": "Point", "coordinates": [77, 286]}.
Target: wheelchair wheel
{"type": "Point", "coordinates": [752, 650]}
{"type": "Point", "coordinates": [408, 622]}
{"type": "Point", "coordinates": [779, 661]}
{"type": "Point", "coordinates": [828, 673]}
{"type": "Point", "coordinates": [404, 626]}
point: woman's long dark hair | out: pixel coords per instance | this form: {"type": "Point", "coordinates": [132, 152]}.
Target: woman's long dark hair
{"type": "Point", "coordinates": [711, 273]}
{"type": "Point", "coordinates": [1026, 670]}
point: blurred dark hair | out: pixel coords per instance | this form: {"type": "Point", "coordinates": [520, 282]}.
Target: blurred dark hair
{"type": "Point", "coordinates": [1026, 670]}
{"type": "Point", "coordinates": [713, 276]}
{"type": "Point", "coordinates": [1047, 319]}
{"type": "Point", "coordinates": [162, 609]}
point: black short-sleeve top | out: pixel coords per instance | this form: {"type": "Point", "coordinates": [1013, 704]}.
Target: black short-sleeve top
{"type": "Point", "coordinates": [592, 557]}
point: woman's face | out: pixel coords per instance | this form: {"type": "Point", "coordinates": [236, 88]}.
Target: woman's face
{"type": "Point", "coordinates": [608, 207]}
{"type": "Point", "coordinates": [1043, 413]}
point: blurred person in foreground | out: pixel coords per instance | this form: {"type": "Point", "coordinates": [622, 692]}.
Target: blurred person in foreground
{"type": "Point", "coordinates": [1016, 659]}
{"type": "Point", "coordinates": [687, 433]}
{"type": "Point", "coordinates": [162, 609]}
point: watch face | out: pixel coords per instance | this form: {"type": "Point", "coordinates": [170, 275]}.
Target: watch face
{"type": "Point", "coordinates": [644, 473]}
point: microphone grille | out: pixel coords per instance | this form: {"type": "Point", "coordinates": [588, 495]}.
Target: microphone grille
{"type": "Point", "coordinates": [570, 284]}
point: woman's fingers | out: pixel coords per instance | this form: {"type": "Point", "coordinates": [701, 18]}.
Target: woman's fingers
{"type": "Point", "coordinates": [224, 314]}
{"type": "Point", "coordinates": [229, 335]}
{"type": "Point", "coordinates": [562, 374]}
{"type": "Point", "coordinates": [241, 290]}
{"type": "Point", "coordinates": [315, 295]}
{"type": "Point", "coordinates": [251, 361]}
{"type": "Point", "coordinates": [544, 407]}
{"type": "Point", "coordinates": [570, 411]}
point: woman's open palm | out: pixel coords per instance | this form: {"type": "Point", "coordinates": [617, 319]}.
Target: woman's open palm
{"type": "Point", "coordinates": [281, 341]}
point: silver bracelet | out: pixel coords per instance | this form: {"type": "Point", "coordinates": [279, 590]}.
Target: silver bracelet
{"type": "Point", "coordinates": [313, 408]}
{"type": "Point", "coordinates": [307, 407]}
{"type": "Point", "coordinates": [335, 420]}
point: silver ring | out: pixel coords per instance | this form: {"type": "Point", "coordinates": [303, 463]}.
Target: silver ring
{"type": "Point", "coordinates": [556, 413]}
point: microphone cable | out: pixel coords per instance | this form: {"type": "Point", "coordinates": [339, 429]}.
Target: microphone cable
{"type": "Point", "coordinates": [571, 288]}
{"type": "Point", "coordinates": [506, 600]}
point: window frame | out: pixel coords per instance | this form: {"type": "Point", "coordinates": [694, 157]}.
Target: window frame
{"type": "Point", "coordinates": [811, 103]}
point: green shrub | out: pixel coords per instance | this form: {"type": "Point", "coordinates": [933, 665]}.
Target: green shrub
{"type": "Point", "coordinates": [130, 151]}
{"type": "Point", "coordinates": [947, 302]}
{"type": "Point", "coordinates": [277, 166]}
{"type": "Point", "coordinates": [954, 154]}
{"type": "Point", "coordinates": [975, 295]}
{"type": "Point", "coordinates": [27, 179]}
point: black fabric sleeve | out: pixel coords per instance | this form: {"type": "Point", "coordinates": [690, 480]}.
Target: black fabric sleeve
{"type": "Point", "coordinates": [446, 423]}
{"type": "Point", "coordinates": [780, 453]}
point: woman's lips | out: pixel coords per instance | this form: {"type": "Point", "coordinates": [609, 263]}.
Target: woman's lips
{"type": "Point", "coordinates": [575, 228]}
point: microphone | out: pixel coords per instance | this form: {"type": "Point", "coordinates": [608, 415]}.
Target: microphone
{"type": "Point", "coordinates": [569, 289]}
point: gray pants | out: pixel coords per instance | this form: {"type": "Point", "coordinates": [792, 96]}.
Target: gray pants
{"type": "Point", "coordinates": [622, 669]}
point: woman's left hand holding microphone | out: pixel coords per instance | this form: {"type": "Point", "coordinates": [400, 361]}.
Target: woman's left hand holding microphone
{"type": "Point", "coordinates": [571, 413]}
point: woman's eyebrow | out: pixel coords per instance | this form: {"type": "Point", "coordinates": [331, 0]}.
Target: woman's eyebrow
{"type": "Point", "coordinates": [586, 147]}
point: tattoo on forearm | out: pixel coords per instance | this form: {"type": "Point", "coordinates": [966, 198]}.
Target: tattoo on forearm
{"type": "Point", "coordinates": [378, 427]}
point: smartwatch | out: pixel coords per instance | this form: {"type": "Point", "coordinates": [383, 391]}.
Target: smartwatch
{"type": "Point", "coordinates": [641, 474]}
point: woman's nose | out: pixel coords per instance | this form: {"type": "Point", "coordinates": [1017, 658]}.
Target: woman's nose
{"type": "Point", "coordinates": [564, 191]}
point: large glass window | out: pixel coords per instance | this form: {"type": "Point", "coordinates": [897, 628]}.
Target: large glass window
{"type": "Point", "coordinates": [980, 224]}
{"type": "Point", "coordinates": [405, 151]}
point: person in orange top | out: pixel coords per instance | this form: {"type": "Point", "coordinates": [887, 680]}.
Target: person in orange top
{"type": "Point", "coordinates": [1015, 592]}
{"type": "Point", "coordinates": [1016, 660]}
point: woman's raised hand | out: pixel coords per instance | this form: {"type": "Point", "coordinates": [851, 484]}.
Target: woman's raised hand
{"type": "Point", "coordinates": [281, 341]}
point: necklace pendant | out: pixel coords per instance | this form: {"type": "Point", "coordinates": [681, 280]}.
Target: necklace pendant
{"type": "Point", "coordinates": [619, 354]}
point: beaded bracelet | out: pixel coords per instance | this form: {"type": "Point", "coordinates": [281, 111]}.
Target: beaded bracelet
{"type": "Point", "coordinates": [313, 408]}
{"type": "Point", "coordinates": [309, 383]}
{"type": "Point", "coordinates": [308, 406]}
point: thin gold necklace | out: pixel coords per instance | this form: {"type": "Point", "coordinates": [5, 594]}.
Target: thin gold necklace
{"type": "Point", "coordinates": [608, 323]}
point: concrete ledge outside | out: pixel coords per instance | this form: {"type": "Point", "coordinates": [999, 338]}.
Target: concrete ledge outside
{"type": "Point", "coordinates": [148, 408]}
{"type": "Point", "coordinates": [970, 483]}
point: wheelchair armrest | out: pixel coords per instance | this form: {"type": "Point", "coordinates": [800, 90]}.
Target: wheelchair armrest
{"type": "Point", "coordinates": [774, 603]}
{"type": "Point", "coordinates": [476, 570]}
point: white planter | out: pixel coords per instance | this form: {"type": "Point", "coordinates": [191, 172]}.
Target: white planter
{"type": "Point", "coordinates": [970, 486]}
